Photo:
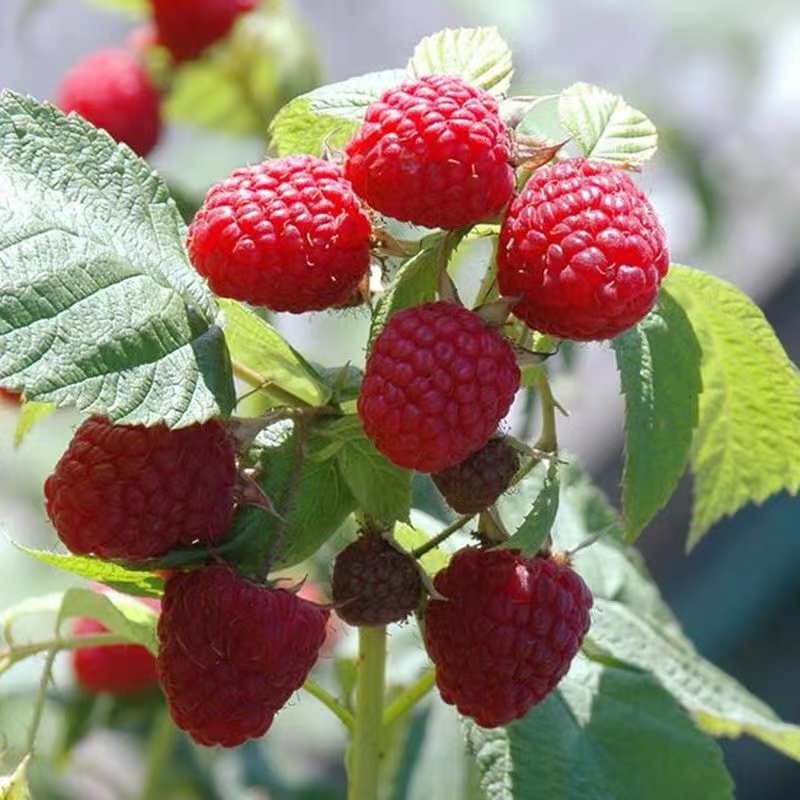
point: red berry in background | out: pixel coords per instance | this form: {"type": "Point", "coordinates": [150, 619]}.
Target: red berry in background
{"type": "Point", "coordinates": [475, 483]}
{"type": "Point", "coordinates": [187, 27]}
{"type": "Point", "coordinates": [10, 397]}
{"type": "Point", "coordinates": [583, 249]}
{"type": "Point", "coordinates": [436, 383]}
{"type": "Point", "coordinates": [232, 652]}
{"type": "Point", "coordinates": [112, 90]}
{"type": "Point", "coordinates": [130, 492]}
{"type": "Point", "coordinates": [288, 234]}
{"type": "Point", "coordinates": [432, 151]}
{"type": "Point", "coordinates": [115, 668]}
{"type": "Point", "coordinates": [373, 583]}
{"type": "Point", "coordinates": [507, 632]}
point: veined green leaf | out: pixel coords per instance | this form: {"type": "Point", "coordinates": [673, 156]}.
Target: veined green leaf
{"type": "Point", "coordinates": [748, 436]}
{"type": "Point", "coordinates": [99, 306]}
{"type": "Point", "coordinates": [607, 733]}
{"type": "Point", "coordinates": [605, 126]}
{"type": "Point", "coordinates": [479, 56]}
{"type": "Point", "coordinates": [659, 365]}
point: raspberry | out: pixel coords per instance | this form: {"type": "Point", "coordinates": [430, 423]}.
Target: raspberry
{"type": "Point", "coordinates": [187, 27]}
{"type": "Point", "coordinates": [114, 668]}
{"type": "Point", "coordinates": [475, 483]}
{"type": "Point", "coordinates": [432, 151]}
{"type": "Point", "coordinates": [130, 492]}
{"type": "Point", "coordinates": [583, 248]}
{"type": "Point", "coordinates": [112, 90]}
{"type": "Point", "coordinates": [232, 652]}
{"type": "Point", "coordinates": [7, 396]}
{"type": "Point", "coordinates": [507, 632]}
{"type": "Point", "coordinates": [373, 583]}
{"type": "Point", "coordinates": [288, 234]}
{"type": "Point", "coordinates": [436, 384]}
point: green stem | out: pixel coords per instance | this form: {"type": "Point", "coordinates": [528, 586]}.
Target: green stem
{"type": "Point", "coordinates": [11, 655]}
{"type": "Point", "coordinates": [261, 383]}
{"type": "Point", "coordinates": [331, 703]}
{"type": "Point", "coordinates": [366, 747]}
{"type": "Point", "coordinates": [441, 536]}
{"type": "Point", "coordinates": [38, 708]}
{"type": "Point", "coordinates": [402, 704]}
{"type": "Point", "coordinates": [548, 438]}
{"type": "Point", "coordinates": [162, 743]}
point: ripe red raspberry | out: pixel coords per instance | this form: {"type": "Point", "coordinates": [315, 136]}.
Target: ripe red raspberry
{"type": "Point", "coordinates": [130, 492]}
{"type": "Point", "coordinates": [476, 482]}
{"type": "Point", "coordinates": [583, 248]}
{"type": "Point", "coordinates": [432, 151]}
{"type": "Point", "coordinates": [187, 27]}
{"type": "Point", "coordinates": [113, 91]}
{"type": "Point", "coordinates": [232, 652]}
{"type": "Point", "coordinates": [507, 632]}
{"type": "Point", "coordinates": [288, 234]}
{"type": "Point", "coordinates": [436, 384]}
{"type": "Point", "coordinates": [114, 668]}
{"type": "Point", "coordinates": [373, 583]}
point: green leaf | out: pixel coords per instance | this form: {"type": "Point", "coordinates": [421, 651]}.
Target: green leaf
{"type": "Point", "coordinates": [479, 56]}
{"type": "Point", "coordinates": [241, 83]}
{"type": "Point", "coordinates": [720, 705]}
{"type": "Point", "coordinates": [328, 116]}
{"type": "Point", "coordinates": [255, 344]}
{"type": "Point", "coordinates": [29, 415]}
{"type": "Point", "coordinates": [99, 306]}
{"type": "Point", "coordinates": [137, 7]}
{"type": "Point", "coordinates": [127, 617]}
{"type": "Point", "coordinates": [748, 436]}
{"type": "Point", "coordinates": [15, 786]}
{"type": "Point", "coordinates": [532, 533]}
{"type": "Point", "coordinates": [321, 501]}
{"type": "Point", "coordinates": [605, 127]}
{"type": "Point", "coordinates": [113, 575]}
{"type": "Point", "coordinates": [608, 733]}
{"type": "Point", "coordinates": [381, 489]}
{"type": "Point", "coordinates": [659, 365]}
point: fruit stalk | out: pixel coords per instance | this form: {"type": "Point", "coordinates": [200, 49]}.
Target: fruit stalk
{"type": "Point", "coordinates": [366, 748]}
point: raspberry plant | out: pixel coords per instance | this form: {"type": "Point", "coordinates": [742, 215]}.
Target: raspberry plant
{"type": "Point", "coordinates": [103, 308]}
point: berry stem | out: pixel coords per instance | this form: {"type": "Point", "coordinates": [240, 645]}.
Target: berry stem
{"type": "Point", "coordinates": [11, 655]}
{"type": "Point", "coordinates": [265, 384]}
{"type": "Point", "coordinates": [366, 748]}
{"type": "Point", "coordinates": [401, 705]}
{"type": "Point", "coordinates": [548, 438]}
{"type": "Point", "coordinates": [162, 743]}
{"type": "Point", "coordinates": [38, 707]}
{"type": "Point", "coordinates": [441, 536]}
{"type": "Point", "coordinates": [331, 703]}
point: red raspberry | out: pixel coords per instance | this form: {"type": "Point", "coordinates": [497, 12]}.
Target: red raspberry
{"type": "Point", "coordinates": [476, 482]}
{"type": "Point", "coordinates": [114, 668]}
{"type": "Point", "coordinates": [232, 652]}
{"type": "Point", "coordinates": [130, 492]}
{"type": "Point", "coordinates": [507, 632]}
{"type": "Point", "coordinates": [187, 27]}
{"type": "Point", "coordinates": [583, 248]}
{"type": "Point", "coordinates": [113, 91]}
{"type": "Point", "coordinates": [436, 384]}
{"type": "Point", "coordinates": [373, 583]}
{"type": "Point", "coordinates": [8, 396]}
{"type": "Point", "coordinates": [432, 151]}
{"type": "Point", "coordinates": [288, 234]}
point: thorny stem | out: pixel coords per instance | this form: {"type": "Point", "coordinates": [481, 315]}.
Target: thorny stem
{"type": "Point", "coordinates": [12, 655]}
{"type": "Point", "coordinates": [367, 751]}
{"type": "Point", "coordinates": [441, 536]}
{"type": "Point", "coordinates": [331, 703]}
{"type": "Point", "coordinates": [162, 743]}
{"type": "Point", "coordinates": [261, 383]}
{"type": "Point", "coordinates": [402, 704]}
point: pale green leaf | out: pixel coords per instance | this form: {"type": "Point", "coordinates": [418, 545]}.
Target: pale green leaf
{"type": "Point", "coordinates": [659, 365]}
{"type": "Point", "coordinates": [241, 83]}
{"type": "Point", "coordinates": [136, 7]}
{"type": "Point", "coordinates": [479, 56]}
{"type": "Point", "coordinates": [532, 533]}
{"type": "Point", "coordinates": [30, 413]}
{"type": "Point", "coordinates": [15, 785]}
{"type": "Point", "coordinates": [328, 116]}
{"type": "Point", "coordinates": [381, 489]}
{"type": "Point", "coordinates": [99, 306]}
{"type": "Point", "coordinates": [608, 733]}
{"type": "Point", "coordinates": [748, 436]}
{"type": "Point", "coordinates": [721, 705]}
{"type": "Point", "coordinates": [115, 576]}
{"type": "Point", "coordinates": [256, 345]}
{"type": "Point", "coordinates": [129, 618]}
{"type": "Point", "coordinates": [605, 127]}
